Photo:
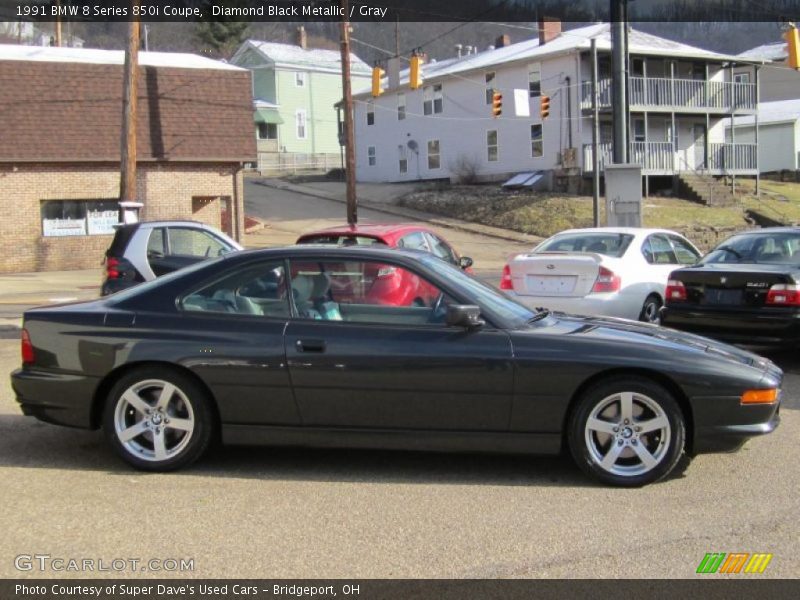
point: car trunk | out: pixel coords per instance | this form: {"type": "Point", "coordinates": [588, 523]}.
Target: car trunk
{"type": "Point", "coordinates": [556, 274]}
{"type": "Point", "coordinates": [729, 285]}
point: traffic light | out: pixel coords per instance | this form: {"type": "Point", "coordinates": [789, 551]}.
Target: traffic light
{"type": "Point", "coordinates": [792, 37]}
{"type": "Point", "coordinates": [415, 72]}
{"type": "Point", "coordinates": [544, 106]}
{"type": "Point", "coordinates": [497, 103]}
{"type": "Point", "coordinates": [377, 73]}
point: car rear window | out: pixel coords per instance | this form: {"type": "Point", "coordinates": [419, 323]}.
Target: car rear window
{"type": "Point", "coordinates": [608, 244]}
{"type": "Point", "coordinates": [121, 239]}
{"type": "Point", "coordinates": [340, 240]}
{"type": "Point", "coordinates": [774, 247]}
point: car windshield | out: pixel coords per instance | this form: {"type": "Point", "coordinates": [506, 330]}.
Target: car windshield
{"type": "Point", "coordinates": [780, 247]}
{"type": "Point", "coordinates": [483, 294]}
{"type": "Point", "coordinates": [608, 244]}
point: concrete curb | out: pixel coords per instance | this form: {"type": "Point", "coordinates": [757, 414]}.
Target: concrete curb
{"type": "Point", "coordinates": [416, 215]}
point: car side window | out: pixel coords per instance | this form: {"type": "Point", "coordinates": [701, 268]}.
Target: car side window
{"type": "Point", "coordinates": [413, 241]}
{"type": "Point", "coordinates": [259, 291]}
{"type": "Point", "coordinates": [365, 292]}
{"type": "Point", "coordinates": [194, 242]}
{"type": "Point", "coordinates": [647, 251]}
{"type": "Point", "coordinates": [662, 250]}
{"type": "Point", "coordinates": [440, 248]}
{"type": "Point", "coordinates": [684, 251]}
{"type": "Point", "coordinates": [155, 243]}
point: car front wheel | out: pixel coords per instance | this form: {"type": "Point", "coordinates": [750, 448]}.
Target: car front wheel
{"type": "Point", "coordinates": [650, 310]}
{"type": "Point", "coordinates": [158, 419]}
{"type": "Point", "coordinates": [627, 431]}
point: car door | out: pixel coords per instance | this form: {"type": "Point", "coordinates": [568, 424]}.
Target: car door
{"type": "Point", "coordinates": [354, 363]}
{"type": "Point", "coordinates": [186, 246]}
{"type": "Point", "coordinates": [660, 255]}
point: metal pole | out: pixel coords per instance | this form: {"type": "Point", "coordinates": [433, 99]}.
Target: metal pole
{"type": "Point", "coordinates": [618, 82]}
{"type": "Point", "coordinates": [758, 166]}
{"type": "Point", "coordinates": [733, 132]}
{"type": "Point", "coordinates": [595, 141]}
{"type": "Point", "coordinates": [349, 132]}
{"type": "Point", "coordinates": [127, 182]}
{"type": "Point", "coordinates": [58, 24]}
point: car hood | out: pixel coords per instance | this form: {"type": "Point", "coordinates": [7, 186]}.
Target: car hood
{"type": "Point", "coordinates": [634, 332]}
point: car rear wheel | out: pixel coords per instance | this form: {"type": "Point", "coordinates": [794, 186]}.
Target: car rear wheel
{"type": "Point", "coordinates": [158, 419]}
{"type": "Point", "coordinates": [627, 431]}
{"type": "Point", "coordinates": [650, 310]}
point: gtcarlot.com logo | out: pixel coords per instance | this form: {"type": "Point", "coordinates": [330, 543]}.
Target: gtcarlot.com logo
{"type": "Point", "coordinates": [47, 562]}
{"type": "Point", "coordinates": [735, 562]}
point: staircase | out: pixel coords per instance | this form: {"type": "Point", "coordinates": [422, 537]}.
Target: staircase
{"type": "Point", "coordinates": [705, 189]}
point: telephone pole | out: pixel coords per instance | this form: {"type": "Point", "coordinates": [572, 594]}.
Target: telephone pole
{"type": "Point", "coordinates": [619, 79]}
{"type": "Point", "coordinates": [349, 130]}
{"type": "Point", "coordinates": [127, 181]}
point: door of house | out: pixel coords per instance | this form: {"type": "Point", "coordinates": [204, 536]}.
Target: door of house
{"type": "Point", "coordinates": [698, 149]}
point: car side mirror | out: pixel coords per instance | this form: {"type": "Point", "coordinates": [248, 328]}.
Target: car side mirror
{"type": "Point", "coordinates": [464, 315]}
{"type": "Point", "coordinates": [465, 262]}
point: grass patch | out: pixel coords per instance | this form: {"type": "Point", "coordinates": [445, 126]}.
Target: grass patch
{"type": "Point", "coordinates": [544, 214]}
{"type": "Point", "coordinates": [780, 200]}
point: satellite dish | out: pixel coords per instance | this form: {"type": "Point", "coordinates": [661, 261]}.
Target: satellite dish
{"type": "Point", "coordinates": [412, 144]}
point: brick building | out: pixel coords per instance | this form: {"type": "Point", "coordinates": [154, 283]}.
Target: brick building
{"type": "Point", "coordinates": [60, 124]}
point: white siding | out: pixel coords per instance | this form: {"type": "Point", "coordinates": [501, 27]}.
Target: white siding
{"type": "Point", "coordinates": [778, 145]}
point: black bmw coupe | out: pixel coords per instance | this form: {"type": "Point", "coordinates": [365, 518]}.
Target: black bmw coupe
{"type": "Point", "coordinates": [308, 346]}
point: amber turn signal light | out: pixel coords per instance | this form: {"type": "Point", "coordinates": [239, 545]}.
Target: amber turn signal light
{"type": "Point", "coordinates": [760, 396]}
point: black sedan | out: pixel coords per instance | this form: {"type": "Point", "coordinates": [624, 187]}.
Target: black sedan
{"type": "Point", "coordinates": [296, 346]}
{"type": "Point", "coordinates": [746, 290]}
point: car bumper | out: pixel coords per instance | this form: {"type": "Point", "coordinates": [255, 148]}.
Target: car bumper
{"type": "Point", "coordinates": [606, 305]}
{"type": "Point", "coordinates": [112, 286]}
{"type": "Point", "coordinates": [736, 326]}
{"type": "Point", "coordinates": [59, 398]}
{"type": "Point", "coordinates": [724, 424]}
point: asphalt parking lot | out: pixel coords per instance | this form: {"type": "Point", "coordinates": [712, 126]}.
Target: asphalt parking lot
{"type": "Point", "coordinates": [295, 513]}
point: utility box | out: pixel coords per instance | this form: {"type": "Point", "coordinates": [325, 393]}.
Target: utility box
{"type": "Point", "coordinates": [623, 195]}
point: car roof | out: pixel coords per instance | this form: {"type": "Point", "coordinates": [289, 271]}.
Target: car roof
{"type": "Point", "coordinates": [170, 223]}
{"type": "Point", "coordinates": [336, 252]}
{"type": "Point", "coordinates": [768, 230]}
{"type": "Point", "coordinates": [636, 231]}
{"type": "Point", "coordinates": [382, 230]}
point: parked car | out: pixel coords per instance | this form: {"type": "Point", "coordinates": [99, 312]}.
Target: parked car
{"type": "Point", "coordinates": [746, 290]}
{"type": "Point", "coordinates": [259, 348]}
{"type": "Point", "coordinates": [610, 271]}
{"type": "Point", "coordinates": [146, 250]}
{"type": "Point", "coordinates": [391, 286]}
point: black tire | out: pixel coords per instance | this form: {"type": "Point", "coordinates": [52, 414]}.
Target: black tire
{"type": "Point", "coordinates": [650, 309]}
{"type": "Point", "coordinates": [627, 448]}
{"type": "Point", "coordinates": [161, 438]}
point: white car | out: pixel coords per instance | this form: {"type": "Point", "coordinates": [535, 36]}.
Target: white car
{"type": "Point", "coordinates": [609, 271]}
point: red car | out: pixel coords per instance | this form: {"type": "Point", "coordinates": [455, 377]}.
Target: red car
{"type": "Point", "coordinates": [388, 285]}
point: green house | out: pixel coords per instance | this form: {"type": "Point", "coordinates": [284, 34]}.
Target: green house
{"type": "Point", "coordinates": [295, 89]}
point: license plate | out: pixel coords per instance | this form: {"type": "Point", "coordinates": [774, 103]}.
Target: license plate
{"type": "Point", "coordinates": [717, 296]}
{"type": "Point", "coordinates": [550, 284]}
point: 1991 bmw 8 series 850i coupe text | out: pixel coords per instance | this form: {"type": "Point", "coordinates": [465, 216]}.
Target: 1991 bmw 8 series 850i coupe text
{"type": "Point", "coordinates": [285, 347]}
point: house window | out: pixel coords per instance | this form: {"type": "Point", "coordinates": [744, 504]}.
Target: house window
{"type": "Point", "coordinates": [300, 124]}
{"type": "Point", "coordinates": [434, 156]}
{"type": "Point", "coordinates": [403, 161]}
{"type": "Point", "coordinates": [639, 130]}
{"type": "Point", "coordinates": [62, 218]}
{"type": "Point", "coordinates": [267, 131]}
{"type": "Point", "coordinates": [432, 99]}
{"type": "Point", "coordinates": [371, 156]}
{"type": "Point", "coordinates": [489, 87]}
{"type": "Point", "coordinates": [537, 142]}
{"type": "Point", "coordinates": [370, 112]}
{"type": "Point", "coordinates": [535, 80]}
{"type": "Point", "coordinates": [668, 134]}
{"type": "Point", "coordinates": [401, 107]}
{"type": "Point", "coordinates": [491, 145]}
{"type": "Point", "coordinates": [741, 77]}
{"type": "Point", "coordinates": [300, 79]}
{"type": "Point", "coordinates": [637, 67]}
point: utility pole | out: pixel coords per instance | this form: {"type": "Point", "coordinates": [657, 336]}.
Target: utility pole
{"type": "Point", "coordinates": [595, 141]}
{"type": "Point", "coordinates": [127, 181]}
{"type": "Point", "coordinates": [58, 24]}
{"type": "Point", "coordinates": [349, 130]}
{"type": "Point", "coordinates": [619, 102]}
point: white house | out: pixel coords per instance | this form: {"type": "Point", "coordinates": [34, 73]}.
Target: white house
{"type": "Point", "coordinates": [779, 134]}
{"type": "Point", "coordinates": [777, 80]}
{"type": "Point", "coordinates": [680, 99]}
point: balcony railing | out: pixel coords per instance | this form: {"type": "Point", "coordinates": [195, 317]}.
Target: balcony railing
{"type": "Point", "coordinates": [679, 95]}
{"type": "Point", "coordinates": [661, 158]}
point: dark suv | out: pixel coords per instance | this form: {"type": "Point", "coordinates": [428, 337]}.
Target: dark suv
{"type": "Point", "coordinates": [143, 251]}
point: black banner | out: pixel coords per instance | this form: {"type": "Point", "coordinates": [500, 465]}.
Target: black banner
{"type": "Point", "coordinates": [390, 11]}
{"type": "Point", "coordinates": [394, 589]}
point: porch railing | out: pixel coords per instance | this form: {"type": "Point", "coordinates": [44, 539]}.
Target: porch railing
{"type": "Point", "coordinates": [661, 158]}
{"type": "Point", "coordinates": [677, 94]}
{"type": "Point", "coordinates": [732, 157]}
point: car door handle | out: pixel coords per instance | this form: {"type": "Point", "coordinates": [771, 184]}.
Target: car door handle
{"type": "Point", "coordinates": [310, 345]}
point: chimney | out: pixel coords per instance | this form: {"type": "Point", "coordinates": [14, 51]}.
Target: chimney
{"type": "Point", "coordinates": [502, 41]}
{"type": "Point", "coordinates": [302, 39]}
{"type": "Point", "coordinates": [549, 29]}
